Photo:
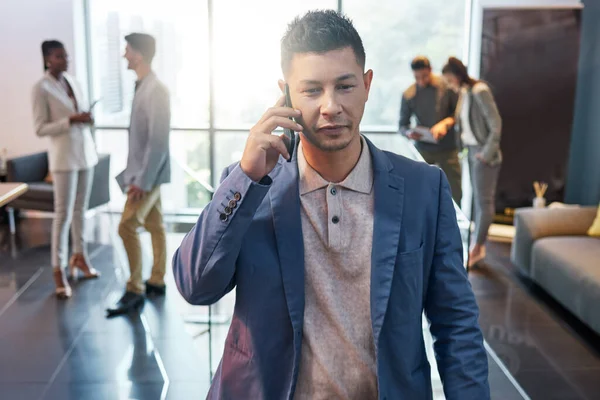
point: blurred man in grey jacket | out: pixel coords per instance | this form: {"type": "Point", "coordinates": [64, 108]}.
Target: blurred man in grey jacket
{"type": "Point", "coordinates": [148, 167]}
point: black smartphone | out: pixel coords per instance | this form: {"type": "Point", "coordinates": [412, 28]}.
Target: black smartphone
{"type": "Point", "coordinates": [289, 135]}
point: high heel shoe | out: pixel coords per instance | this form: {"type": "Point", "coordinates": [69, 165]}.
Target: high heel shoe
{"type": "Point", "coordinates": [63, 289]}
{"type": "Point", "coordinates": [474, 259]}
{"type": "Point", "coordinates": [79, 263]}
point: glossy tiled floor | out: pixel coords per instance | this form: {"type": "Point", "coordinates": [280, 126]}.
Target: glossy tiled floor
{"type": "Point", "coordinates": [550, 353]}
{"type": "Point", "coordinates": [68, 350]}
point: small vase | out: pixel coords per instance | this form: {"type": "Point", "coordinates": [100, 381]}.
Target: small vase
{"type": "Point", "coordinates": [539, 202]}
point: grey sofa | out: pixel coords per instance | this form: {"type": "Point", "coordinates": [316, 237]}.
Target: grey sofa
{"type": "Point", "coordinates": [32, 169]}
{"type": "Point", "coordinates": [551, 247]}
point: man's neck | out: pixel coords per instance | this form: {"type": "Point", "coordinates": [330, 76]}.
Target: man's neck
{"type": "Point", "coordinates": [333, 166]}
{"type": "Point", "coordinates": [143, 71]}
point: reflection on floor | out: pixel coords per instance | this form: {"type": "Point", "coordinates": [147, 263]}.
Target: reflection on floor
{"type": "Point", "coordinates": [68, 350]}
{"type": "Point", "coordinates": [549, 352]}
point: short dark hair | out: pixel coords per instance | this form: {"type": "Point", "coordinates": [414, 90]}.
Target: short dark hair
{"type": "Point", "coordinates": [143, 43]}
{"type": "Point", "coordinates": [47, 47]}
{"type": "Point", "coordinates": [456, 67]}
{"type": "Point", "coordinates": [319, 32]}
{"type": "Point", "coordinates": [419, 63]}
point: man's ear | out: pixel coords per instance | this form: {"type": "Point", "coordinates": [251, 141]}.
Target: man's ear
{"type": "Point", "coordinates": [281, 84]}
{"type": "Point", "coordinates": [367, 79]}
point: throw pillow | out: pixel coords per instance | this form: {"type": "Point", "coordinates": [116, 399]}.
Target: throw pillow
{"type": "Point", "coordinates": [595, 228]}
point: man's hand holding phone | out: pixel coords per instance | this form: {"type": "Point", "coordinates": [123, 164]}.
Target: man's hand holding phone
{"type": "Point", "coordinates": [262, 147]}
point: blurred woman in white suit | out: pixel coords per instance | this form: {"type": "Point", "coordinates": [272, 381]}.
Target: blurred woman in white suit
{"type": "Point", "coordinates": [58, 115]}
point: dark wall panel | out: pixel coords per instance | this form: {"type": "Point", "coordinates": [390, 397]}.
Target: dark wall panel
{"type": "Point", "coordinates": [529, 58]}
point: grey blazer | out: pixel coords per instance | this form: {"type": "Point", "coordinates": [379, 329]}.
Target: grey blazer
{"type": "Point", "coordinates": [148, 161]}
{"type": "Point", "coordinates": [484, 119]}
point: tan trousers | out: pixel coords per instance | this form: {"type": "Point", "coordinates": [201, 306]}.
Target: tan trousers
{"type": "Point", "coordinates": [145, 213]}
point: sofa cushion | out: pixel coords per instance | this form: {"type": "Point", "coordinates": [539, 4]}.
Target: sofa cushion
{"type": "Point", "coordinates": [568, 267]}
{"type": "Point", "coordinates": [39, 191]}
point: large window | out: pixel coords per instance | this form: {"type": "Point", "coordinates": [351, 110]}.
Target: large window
{"type": "Point", "coordinates": [181, 61]}
{"type": "Point", "coordinates": [190, 170]}
{"type": "Point", "coordinates": [220, 89]}
{"type": "Point", "coordinates": [393, 33]}
{"type": "Point", "coordinates": [247, 49]}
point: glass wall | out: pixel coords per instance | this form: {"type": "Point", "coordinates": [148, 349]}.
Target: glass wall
{"type": "Point", "coordinates": [221, 67]}
{"type": "Point", "coordinates": [181, 31]}
{"type": "Point", "coordinates": [393, 33]}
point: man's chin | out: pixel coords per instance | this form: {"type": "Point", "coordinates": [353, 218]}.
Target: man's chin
{"type": "Point", "coordinates": [333, 147]}
{"type": "Point", "coordinates": [330, 143]}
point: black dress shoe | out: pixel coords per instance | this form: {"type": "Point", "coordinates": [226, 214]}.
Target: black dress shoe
{"type": "Point", "coordinates": [129, 302]}
{"type": "Point", "coordinates": [158, 290]}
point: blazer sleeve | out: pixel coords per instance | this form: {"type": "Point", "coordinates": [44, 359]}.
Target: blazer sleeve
{"type": "Point", "coordinates": [157, 148]}
{"type": "Point", "coordinates": [486, 103]}
{"type": "Point", "coordinates": [452, 311]}
{"type": "Point", "coordinates": [204, 265]}
{"type": "Point", "coordinates": [43, 124]}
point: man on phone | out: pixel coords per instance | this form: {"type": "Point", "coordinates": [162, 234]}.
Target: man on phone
{"type": "Point", "coordinates": [432, 103]}
{"type": "Point", "coordinates": [336, 254]}
{"type": "Point", "coordinates": [148, 167]}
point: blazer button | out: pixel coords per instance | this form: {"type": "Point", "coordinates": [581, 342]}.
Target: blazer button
{"type": "Point", "coordinates": [227, 211]}
{"type": "Point", "coordinates": [335, 219]}
{"type": "Point", "coordinates": [223, 217]}
{"type": "Point", "coordinates": [237, 196]}
{"type": "Point", "coordinates": [232, 203]}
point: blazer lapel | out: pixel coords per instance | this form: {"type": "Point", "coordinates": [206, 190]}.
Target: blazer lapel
{"type": "Point", "coordinates": [78, 96]}
{"type": "Point", "coordinates": [389, 199]}
{"type": "Point", "coordinates": [285, 205]}
{"type": "Point", "coordinates": [59, 92]}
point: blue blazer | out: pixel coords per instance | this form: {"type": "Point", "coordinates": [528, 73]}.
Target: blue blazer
{"type": "Point", "coordinates": [249, 237]}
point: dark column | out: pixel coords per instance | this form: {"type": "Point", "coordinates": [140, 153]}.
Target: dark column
{"type": "Point", "coordinates": [583, 183]}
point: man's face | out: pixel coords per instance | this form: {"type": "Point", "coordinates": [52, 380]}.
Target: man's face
{"type": "Point", "coordinates": [134, 58]}
{"type": "Point", "coordinates": [423, 77]}
{"type": "Point", "coordinates": [330, 89]}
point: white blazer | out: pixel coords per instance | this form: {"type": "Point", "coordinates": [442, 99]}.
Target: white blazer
{"type": "Point", "coordinates": [71, 145]}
